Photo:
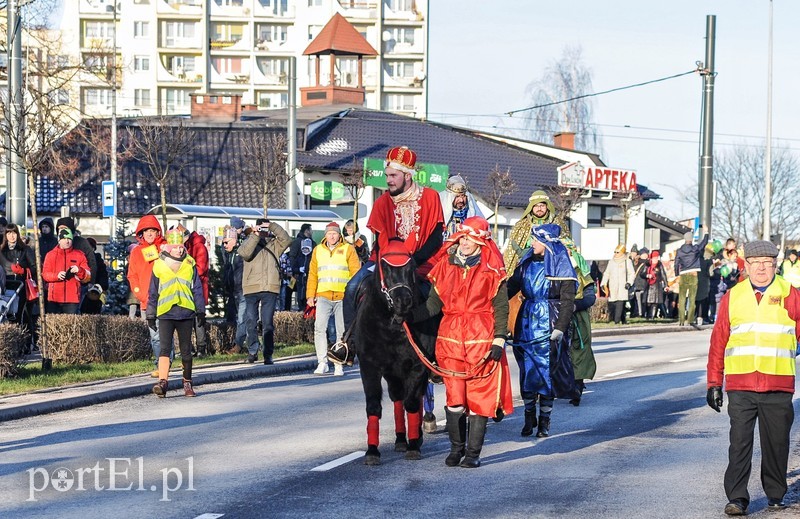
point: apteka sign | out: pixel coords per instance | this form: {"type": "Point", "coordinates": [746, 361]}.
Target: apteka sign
{"type": "Point", "coordinates": [600, 178]}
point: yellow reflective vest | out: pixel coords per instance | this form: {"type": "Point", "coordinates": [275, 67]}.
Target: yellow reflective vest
{"type": "Point", "coordinates": [333, 271]}
{"type": "Point", "coordinates": [762, 337]}
{"type": "Point", "coordinates": [791, 272]}
{"type": "Point", "coordinates": [174, 288]}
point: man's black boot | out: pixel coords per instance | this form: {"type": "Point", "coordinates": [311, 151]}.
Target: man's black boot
{"type": "Point", "coordinates": [544, 427]}
{"type": "Point", "coordinates": [457, 430]}
{"type": "Point", "coordinates": [530, 423]}
{"type": "Point", "coordinates": [477, 432]}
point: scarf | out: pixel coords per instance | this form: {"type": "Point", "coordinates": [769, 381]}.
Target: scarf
{"type": "Point", "coordinates": [557, 264]}
{"type": "Point", "coordinates": [468, 261]}
{"type": "Point", "coordinates": [651, 273]}
{"type": "Point", "coordinates": [406, 212]}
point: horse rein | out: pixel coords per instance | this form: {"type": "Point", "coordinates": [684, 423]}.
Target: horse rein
{"type": "Point", "coordinates": [449, 373]}
{"type": "Point", "coordinates": [387, 292]}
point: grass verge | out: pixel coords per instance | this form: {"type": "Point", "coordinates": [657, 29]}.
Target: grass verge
{"type": "Point", "coordinates": [31, 376]}
{"type": "Point", "coordinates": [635, 321]}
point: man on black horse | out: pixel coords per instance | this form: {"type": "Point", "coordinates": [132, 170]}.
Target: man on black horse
{"type": "Point", "coordinates": [407, 211]}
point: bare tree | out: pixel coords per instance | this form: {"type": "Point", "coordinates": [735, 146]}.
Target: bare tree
{"type": "Point", "coordinates": [164, 144]}
{"type": "Point", "coordinates": [500, 185]}
{"type": "Point", "coordinates": [262, 160]}
{"type": "Point", "coordinates": [565, 202]}
{"type": "Point", "coordinates": [353, 181]}
{"type": "Point", "coordinates": [630, 204]}
{"type": "Point", "coordinates": [564, 79]}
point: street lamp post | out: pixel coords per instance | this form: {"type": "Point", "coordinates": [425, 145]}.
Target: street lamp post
{"type": "Point", "coordinates": [113, 159]}
{"type": "Point", "coordinates": [768, 154]}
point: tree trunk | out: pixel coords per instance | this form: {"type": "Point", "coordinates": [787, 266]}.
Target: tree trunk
{"type": "Point", "coordinates": [496, 208]}
{"type": "Point", "coordinates": [38, 259]}
{"type": "Point", "coordinates": [265, 203]}
{"type": "Point", "coordinates": [163, 188]}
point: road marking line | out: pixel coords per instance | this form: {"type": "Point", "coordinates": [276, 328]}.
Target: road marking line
{"type": "Point", "coordinates": [209, 516]}
{"type": "Point", "coordinates": [441, 422]}
{"type": "Point", "coordinates": [339, 461]}
{"type": "Point", "coordinates": [617, 373]}
{"type": "Point", "coordinates": [684, 359]}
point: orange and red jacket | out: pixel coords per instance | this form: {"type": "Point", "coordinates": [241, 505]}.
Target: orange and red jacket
{"type": "Point", "coordinates": [140, 269]}
{"type": "Point", "coordinates": [61, 260]}
{"type": "Point", "coordinates": [196, 248]}
{"type": "Point", "coordinates": [755, 381]}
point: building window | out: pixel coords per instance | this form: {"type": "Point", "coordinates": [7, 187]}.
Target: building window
{"type": "Point", "coordinates": [179, 32]}
{"type": "Point", "coordinates": [59, 96]}
{"type": "Point", "coordinates": [93, 29]}
{"type": "Point", "coordinates": [57, 62]}
{"type": "Point", "coordinates": [141, 97]}
{"type": "Point", "coordinates": [223, 32]}
{"type": "Point", "coordinates": [399, 103]}
{"type": "Point", "coordinates": [313, 31]}
{"type": "Point", "coordinates": [141, 29]}
{"type": "Point", "coordinates": [141, 2]}
{"type": "Point", "coordinates": [141, 63]}
{"type": "Point", "coordinates": [400, 69]}
{"type": "Point", "coordinates": [97, 97]}
{"type": "Point", "coordinates": [229, 3]}
{"type": "Point", "coordinates": [180, 65]}
{"type": "Point", "coordinates": [273, 66]}
{"type": "Point", "coordinates": [273, 100]}
{"type": "Point", "coordinates": [176, 100]}
{"type": "Point", "coordinates": [399, 5]}
{"type": "Point", "coordinates": [314, 3]}
{"type": "Point", "coordinates": [227, 65]}
{"type": "Point", "coordinates": [271, 33]}
{"type": "Point", "coordinates": [276, 7]}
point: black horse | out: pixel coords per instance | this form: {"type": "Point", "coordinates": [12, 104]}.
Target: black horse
{"type": "Point", "coordinates": [385, 298]}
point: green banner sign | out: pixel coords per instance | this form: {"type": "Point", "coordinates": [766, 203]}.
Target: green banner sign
{"type": "Point", "coordinates": [429, 175]}
{"type": "Point", "coordinates": [326, 190]}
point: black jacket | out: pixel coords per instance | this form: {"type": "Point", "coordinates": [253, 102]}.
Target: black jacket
{"type": "Point", "coordinates": [688, 256]}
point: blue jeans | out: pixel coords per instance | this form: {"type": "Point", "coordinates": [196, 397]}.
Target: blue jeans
{"type": "Point", "coordinates": [267, 302]}
{"type": "Point", "coordinates": [241, 321]}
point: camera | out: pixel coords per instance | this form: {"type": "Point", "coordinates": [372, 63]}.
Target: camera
{"type": "Point", "coordinates": [264, 228]}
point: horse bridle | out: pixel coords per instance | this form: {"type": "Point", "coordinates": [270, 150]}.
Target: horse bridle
{"type": "Point", "coordinates": [387, 292]}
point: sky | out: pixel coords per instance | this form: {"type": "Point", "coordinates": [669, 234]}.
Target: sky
{"type": "Point", "coordinates": [484, 54]}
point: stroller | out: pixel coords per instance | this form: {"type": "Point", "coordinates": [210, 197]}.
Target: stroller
{"type": "Point", "coordinates": [9, 303]}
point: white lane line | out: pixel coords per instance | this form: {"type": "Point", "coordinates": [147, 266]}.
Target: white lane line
{"type": "Point", "coordinates": [441, 422]}
{"type": "Point", "coordinates": [339, 461]}
{"type": "Point", "coordinates": [618, 373]}
{"type": "Point", "coordinates": [209, 516]}
{"type": "Point", "coordinates": [684, 359]}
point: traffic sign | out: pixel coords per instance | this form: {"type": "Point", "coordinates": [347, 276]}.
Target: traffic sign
{"type": "Point", "coordinates": [109, 198]}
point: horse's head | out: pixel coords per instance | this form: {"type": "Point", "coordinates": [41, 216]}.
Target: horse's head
{"type": "Point", "coordinates": [397, 278]}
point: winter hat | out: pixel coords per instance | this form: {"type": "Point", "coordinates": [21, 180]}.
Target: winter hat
{"type": "Point", "coordinates": [229, 233]}
{"type": "Point", "coordinates": [655, 254]}
{"type": "Point", "coordinates": [175, 236]}
{"type": "Point", "coordinates": [791, 251]}
{"type": "Point", "coordinates": [181, 229]}
{"type": "Point", "coordinates": [66, 222]}
{"type": "Point", "coordinates": [644, 250]}
{"type": "Point", "coordinates": [306, 244]}
{"type": "Point", "coordinates": [65, 234]}
{"type": "Point", "coordinates": [634, 249]}
{"type": "Point", "coordinates": [237, 223]}
{"type": "Point", "coordinates": [333, 226]}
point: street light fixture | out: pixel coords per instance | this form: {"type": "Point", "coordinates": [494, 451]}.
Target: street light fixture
{"type": "Point", "coordinates": [113, 159]}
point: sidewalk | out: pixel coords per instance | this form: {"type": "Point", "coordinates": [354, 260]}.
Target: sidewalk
{"type": "Point", "coordinates": [52, 400]}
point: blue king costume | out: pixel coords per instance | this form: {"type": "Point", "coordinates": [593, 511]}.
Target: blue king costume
{"type": "Point", "coordinates": [542, 329]}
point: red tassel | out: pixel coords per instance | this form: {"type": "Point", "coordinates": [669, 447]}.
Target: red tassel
{"type": "Point", "coordinates": [399, 418]}
{"type": "Point", "coordinates": [414, 425]}
{"type": "Point", "coordinates": [373, 430]}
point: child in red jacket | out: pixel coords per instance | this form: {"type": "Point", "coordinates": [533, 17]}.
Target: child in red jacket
{"type": "Point", "coordinates": [63, 270]}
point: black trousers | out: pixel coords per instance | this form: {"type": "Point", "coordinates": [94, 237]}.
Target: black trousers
{"type": "Point", "coordinates": [775, 415]}
{"type": "Point", "coordinates": [166, 331]}
{"type": "Point", "coordinates": [616, 311]}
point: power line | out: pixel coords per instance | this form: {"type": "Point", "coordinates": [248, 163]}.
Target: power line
{"type": "Point", "coordinates": [512, 112]}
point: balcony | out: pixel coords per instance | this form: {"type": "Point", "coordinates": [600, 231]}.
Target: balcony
{"type": "Point", "coordinates": [191, 8]}
{"type": "Point", "coordinates": [242, 45]}
{"type": "Point", "coordinates": [230, 11]}
{"type": "Point", "coordinates": [272, 11]}
{"type": "Point", "coordinates": [359, 9]}
{"type": "Point", "coordinates": [188, 44]}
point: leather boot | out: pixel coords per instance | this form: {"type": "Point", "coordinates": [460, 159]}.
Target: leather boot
{"type": "Point", "coordinates": [457, 430]}
{"type": "Point", "coordinates": [544, 427]}
{"type": "Point", "coordinates": [530, 423]}
{"type": "Point", "coordinates": [188, 390]}
{"type": "Point", "coordinates": [160, 389]}
{"type": "Point", "coordinates": [477, 432]}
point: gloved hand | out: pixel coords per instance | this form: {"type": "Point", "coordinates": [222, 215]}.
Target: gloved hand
{"type": "Point", "coordinates": [17, 269]}
{"type": "Point", "coordinates": [627, 286]}
{"type": "Point", "coordinates": [201, 321]}
{"type": "Point", "coordinates": [151, 323]}
{"type": "Point", "coordinates": [556, 335]}
{"type": "Point", "coordinates": [303, 269]}
{"type": "Point", "coordinates": [498, 349]}
{"type": "Point", "coordinates": [714, 398]}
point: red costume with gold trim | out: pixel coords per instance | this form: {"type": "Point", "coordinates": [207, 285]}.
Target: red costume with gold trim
{"type": "Point", "coordinates": [467, 328]}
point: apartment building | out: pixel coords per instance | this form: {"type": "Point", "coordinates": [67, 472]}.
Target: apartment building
{"type": "Point", "coordinates": [167, 50]}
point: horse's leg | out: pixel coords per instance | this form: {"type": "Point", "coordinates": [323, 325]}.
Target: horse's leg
{"type": "Point", "coordinates": [413, 406]}
{"type": "Point", "coordinates": [371, 381]}
{"type": "Point", "coordinates": [396, 395]}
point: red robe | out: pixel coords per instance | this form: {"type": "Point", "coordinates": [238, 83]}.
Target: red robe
{"type": "Point", "coordinates": [385, 221]}
{"type": "Point", "coordinates": [466, 333]}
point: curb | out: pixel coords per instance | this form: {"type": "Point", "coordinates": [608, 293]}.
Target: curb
{"type": "Point", "coordinates": [644, 330]}
{"type": "Point", "coordinates": [145, 387]}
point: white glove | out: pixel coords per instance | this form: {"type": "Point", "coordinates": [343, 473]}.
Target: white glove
{"type": "Point", "coordinates": [556, 335]}
{"type": "Point", "coordinates": [302, 270]}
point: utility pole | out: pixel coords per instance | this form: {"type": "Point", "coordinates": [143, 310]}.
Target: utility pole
{"type": "Point", "coordinates": [705, 180]}
{"type": "Point", "coordinates": [113, 160]}
{"type": "Point", "coordinates": [765, 234]}
{"type": "Point", "coordinates": [291, 137]}
{"type": "Point", "coordinates": [16, 192]}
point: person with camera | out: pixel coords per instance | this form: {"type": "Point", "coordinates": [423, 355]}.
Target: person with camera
{"type": "Point", "coordinates": [261, 283]}
{"type": "Point", "coordinates": [64, 268]}
{"type": "Point", "coordinates": [753, 348]}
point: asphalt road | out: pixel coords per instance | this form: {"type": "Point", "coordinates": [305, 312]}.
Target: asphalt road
{"type": "Point", "coordinates": [641, 445]}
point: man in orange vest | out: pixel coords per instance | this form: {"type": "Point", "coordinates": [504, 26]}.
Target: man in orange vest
{"type": "Point", "coordinates": [753, 345]}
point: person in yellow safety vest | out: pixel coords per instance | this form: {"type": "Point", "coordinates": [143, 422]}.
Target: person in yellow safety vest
{"type": "Point", "coordinates": [753, 345]}
{"type": "Point", "coordinates": [790, 268]}
{"type": "Point", "coordinates": [333, 263]}
{"type": "Point", "coordinates": [175, 300]}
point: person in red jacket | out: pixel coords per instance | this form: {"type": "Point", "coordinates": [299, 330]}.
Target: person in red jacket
{"type": "Point", "coordinates": [753, 345]}
{"type": "Point", "coordinates": [195, 245]}
{"type": "Point", "coordinates": [140, 269]}
{"type": "Point", "coordinates": [64, 269]}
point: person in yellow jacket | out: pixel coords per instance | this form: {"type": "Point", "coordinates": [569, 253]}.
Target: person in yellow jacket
{"type": "Point", "coordinates": [790, 268]}
{"type": "Point", "coordinates": [175, 300]}
{"type": "Point", "coordinates": [333, 263]}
